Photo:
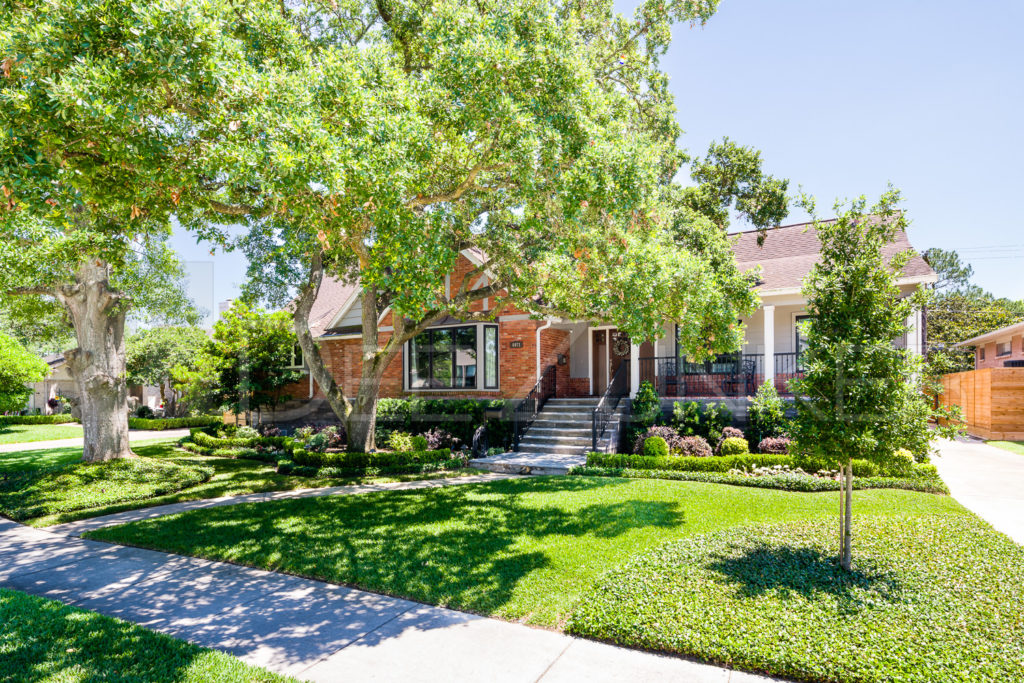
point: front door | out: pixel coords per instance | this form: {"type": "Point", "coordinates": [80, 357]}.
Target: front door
{"type": "Point", "coordinates": [600, 355]}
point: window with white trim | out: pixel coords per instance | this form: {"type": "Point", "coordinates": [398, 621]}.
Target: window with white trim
{"type": "Point", "coordinates": [1003, 348]}
{"type": "Point", "coordinates": [297, 360]}
{"type": "Point", "coordinates": [450, 358]}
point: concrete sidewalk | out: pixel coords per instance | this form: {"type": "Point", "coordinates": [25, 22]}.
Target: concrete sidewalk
{"type": "Point", "coordinates": [987, 480]}
{"type": "Point", "coordinates": [133, 435]}
{"type": "Point", "coordinates": [312, 630]}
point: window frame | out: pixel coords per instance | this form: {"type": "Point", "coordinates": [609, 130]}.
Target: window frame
{"type": "Point", "coordinates": [1009, 349]}
{"type": "Point", "coordinates": [297, 354]}
{"type": "Point", "coordinates": [482, 380]}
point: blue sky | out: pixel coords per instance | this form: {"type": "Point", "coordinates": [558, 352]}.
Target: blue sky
{"type": "Point", "coordinates": [842, 97]}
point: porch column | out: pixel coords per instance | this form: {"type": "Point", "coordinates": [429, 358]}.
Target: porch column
{"type": "Point", "coordinates": [634, 369]}
{"type": "Point", "coordinates": [914, 332]}
{"type": "Point", "coordinates": [769, 344]}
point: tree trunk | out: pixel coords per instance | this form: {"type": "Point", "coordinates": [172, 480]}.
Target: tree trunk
{"type": "Point", "coordinates": [847, 531]}
{"type": "Point", "coordinates": [310, 350]}
{"type": "Point", "coordinates": [98, 364]}
{"type": "Point", "coordinates": [842, 514]}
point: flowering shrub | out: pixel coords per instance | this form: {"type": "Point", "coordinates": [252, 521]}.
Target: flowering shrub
{"type": "Point", "coordinates": [670, 435]}
{"type": "Point", "coordinates": [693, 446]}
{"type": "Point", "coordinates": [732, 433]}
{"type": "Point", "coordinates": [438, 438]}
{"type": "Point", "coordinates": [776, 445]}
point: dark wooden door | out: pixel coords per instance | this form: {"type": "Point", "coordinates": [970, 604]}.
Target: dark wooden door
{"type": "Point", "coordinates": [600, 356]}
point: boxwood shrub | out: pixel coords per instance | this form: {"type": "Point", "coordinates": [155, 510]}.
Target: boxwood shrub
{"type": "Point", "coordinates": [62, 418]}
{"type": "Point", "coordinates": [160, 424]}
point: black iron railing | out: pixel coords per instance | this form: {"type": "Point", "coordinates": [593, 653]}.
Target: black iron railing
{"type": "Point", "coordinates": [617, 388]}
{"type": "Point", "coordinates": [526, 412]}
{"type": "Point", "coordinates": [728, 375]}
{"type": "Point", "coordinates": [787, 366]}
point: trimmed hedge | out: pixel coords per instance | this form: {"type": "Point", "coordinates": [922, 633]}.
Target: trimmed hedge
{"type": "Point", "coordinates": [289, 467]}
{"type": "Point", "coordinates": [205, 440]}
{"type": "Point", "coordinates": [160, 424]}
{"type": "Point", "coordinates": [724, 463]}
{"type": "Point", "coordinates": [785, 482]}
{"type": "Point", "coordinates": [62, 418]}
{"type": "Point", "coordinates": [368, 460]}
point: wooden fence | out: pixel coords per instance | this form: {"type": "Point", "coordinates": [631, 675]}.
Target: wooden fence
{"type": "Point", "coordinates": [992, 401]}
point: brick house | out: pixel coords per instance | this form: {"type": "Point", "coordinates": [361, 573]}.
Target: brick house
{"type": "Point", "coordinates": [505, 358]}
{"type": "Point", "coordinates": [999, 348]}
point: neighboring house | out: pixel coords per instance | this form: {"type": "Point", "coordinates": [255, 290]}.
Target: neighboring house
{"type": "Point", "coordinates": [59, 383]}
{"type": "Point", "coordinates": [506, 357]}
{"type": "Point", "coordinates": [999, 348]}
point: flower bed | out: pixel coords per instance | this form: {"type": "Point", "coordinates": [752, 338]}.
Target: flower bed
{"type": "Point", "coordinates": [751, 461]}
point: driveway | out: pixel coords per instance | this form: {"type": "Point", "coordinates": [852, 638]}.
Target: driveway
{"type": "Point", "coordinates": [987, 480]}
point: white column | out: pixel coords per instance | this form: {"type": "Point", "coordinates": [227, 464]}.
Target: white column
{"type": "Point", "coordinates": [914, 333]}
{"type": "Point", "coordinates": [769, 344]}
{"type": "Point", "coordinates": [634, 369]}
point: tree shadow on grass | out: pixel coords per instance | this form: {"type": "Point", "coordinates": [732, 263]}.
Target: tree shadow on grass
{"type": "Point", "coordinates": [464, 546]}
{"type": "Point", "coordinates": [807, 572]}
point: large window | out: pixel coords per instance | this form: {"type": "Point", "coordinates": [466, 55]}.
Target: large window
{"type": "Point", "coordinates": [447, 358]}
{"type": "Point", "coordinates": [1003, 348]}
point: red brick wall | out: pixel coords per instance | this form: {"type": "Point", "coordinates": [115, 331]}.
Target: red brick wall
{"type": "Point", "coordinates": [994, 361]}
{"type": "Point", "coordinates": [517, 366]}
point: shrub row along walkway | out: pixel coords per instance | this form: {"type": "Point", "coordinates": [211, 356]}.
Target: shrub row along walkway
{"type": "Point", "coordinates": [309, 629]}
{"type": "Point", "coordinates": [987, 480]}
{"type": "Point", "coordinates": [133, 435]}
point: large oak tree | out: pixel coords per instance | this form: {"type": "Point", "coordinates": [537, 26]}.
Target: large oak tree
{"type": "Point", "coordinates": [539, 135]}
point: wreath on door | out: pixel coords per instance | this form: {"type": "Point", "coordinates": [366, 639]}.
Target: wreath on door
{"type": "Point", "coordinates": [620, 347]}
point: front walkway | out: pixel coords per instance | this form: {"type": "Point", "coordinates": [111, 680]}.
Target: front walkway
{"type": "Point", "coordinates": [309, 629]}
{"type": "Point", "coordinates": [133, 435]}
{"type": "Point", "coordinates": [987, 480]}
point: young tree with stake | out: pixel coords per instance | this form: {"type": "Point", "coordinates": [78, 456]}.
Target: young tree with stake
{"type": "Point", "coordinates": [860, 396]}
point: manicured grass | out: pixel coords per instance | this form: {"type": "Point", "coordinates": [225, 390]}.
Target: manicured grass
{"type": "Point", "coordinates": [45, 640]}
{"type": "Point", "coordinates": [931, 598]}
{"type": "Point", "coordinates": [1012, 446]}
{"type": "Point", "coordinates": [28, 433]}
{"type": "Point", "coordinates": [231, 477]}
{"type": "Point", "coordinates": [518, 549]}
{"type": "Point", "coordinates": [19, 461]}
{"type": "Point", "coordinates": [35, 493]}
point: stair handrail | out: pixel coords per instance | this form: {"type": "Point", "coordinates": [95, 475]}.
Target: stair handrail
{"type": "Point", "coordinates": [526, 410]}
{"type": "Point", "coordinates": [613, 393]}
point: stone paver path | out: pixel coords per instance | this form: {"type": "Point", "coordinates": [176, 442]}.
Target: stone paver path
{"type": "Point", "coordinates": [987, 480]}
{"type": "Point", "coordinates": [133, 435]}
{"type": "Point", "coordinates": [308, 629]}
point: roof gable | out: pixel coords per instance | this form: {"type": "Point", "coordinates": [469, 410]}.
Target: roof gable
{"type": "Point", "coordinates": [790, 252]}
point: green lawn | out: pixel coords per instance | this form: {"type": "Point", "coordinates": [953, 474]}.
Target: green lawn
{"type": "Point", "coordinates": [230, 478]}
{"type": "Point", "coordinates": [19, 461]}
{"type": "Point", "coordinates": [519, 549]}
{"type": "Point", "coordinates": [932, 598]}
{"type": "Point", "coordinates": [45, 640]}
{"type": "Point", "coordinates": [28, 433]}
{"type": "Point", "coordinates": [1012, 446]}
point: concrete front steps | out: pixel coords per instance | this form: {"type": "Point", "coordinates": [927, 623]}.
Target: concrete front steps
{"type": "Point", "coordinates": [559, 438]}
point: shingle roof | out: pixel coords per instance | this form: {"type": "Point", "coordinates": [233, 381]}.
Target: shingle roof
{"type": "Point", "coordinates": [333, 295]}
{"type": "Point", "coordinates": [790, 251]}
